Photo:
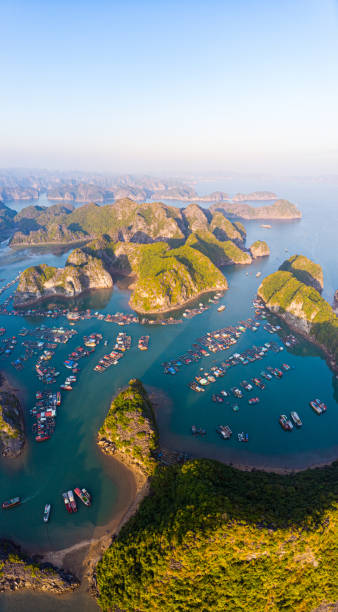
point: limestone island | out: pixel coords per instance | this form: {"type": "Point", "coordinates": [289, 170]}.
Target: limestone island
{"type": "Point", "coordinates": [203, 525]}
{"type": "Point", "coordinates": [293, 294]}
{"type": "Point", "coordinates": [259, 249]}
{"type": "Point", "coordinates": [279, 210]}
{"type": "Point", "coordinates": [171, 256]}
{"type": "Point", "coordinates": [129, 430]}
{"type": "Point", "coordinates": [12, 429]}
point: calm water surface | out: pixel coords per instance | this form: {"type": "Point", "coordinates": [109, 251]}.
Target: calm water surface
{"type": "Point", "coordinates": [70, 458]}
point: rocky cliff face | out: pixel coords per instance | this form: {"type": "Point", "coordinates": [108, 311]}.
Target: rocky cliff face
{"type": "Point", "coordinates": [54, 234]}
{"type": "Point", "coordinates": [259, 249]}
{"type": "Point", "coordinates": [305, 270]}
{"type": "Point", "coordinates": [282, 209]}
{"type": "Point", "coordinates": [196, 218]}
{"type": "Point", "coordinates": [335, 300]}
{"type": "Point", "coordinates": [12, 437]}
{"type": "Point", "coordinates": [303, 309]}
{"type": "Point", "coordinates": [167, 279]}
{"type": "Point", "coordinates": [129, 429]}
{"type": "Point", "coordinates": [221, 253]}
{"type": "Point", "coordinates": [81, 273]}
{"type": "Point", "coordinates": [18, 571]}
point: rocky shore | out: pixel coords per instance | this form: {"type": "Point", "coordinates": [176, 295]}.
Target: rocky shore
{"type": "Point", "coordinates": [19, 571]}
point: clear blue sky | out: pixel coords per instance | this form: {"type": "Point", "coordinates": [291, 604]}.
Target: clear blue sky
{"type": "Point", "coordinates": [137, 85]}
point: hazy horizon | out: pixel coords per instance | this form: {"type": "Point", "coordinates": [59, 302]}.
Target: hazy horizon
{"type": "Point", "coordinates": [170, 89]}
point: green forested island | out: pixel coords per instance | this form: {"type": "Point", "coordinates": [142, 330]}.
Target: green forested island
{"type": "Point", "coordinates": [290, 293]}
{"type": "Point", "coordinates": [281, 209]}
{"type": "Point", "coordinates": [170, 255]}
{"type": "Point", "coordinates": [210, 537]}
{"type": "Point", "coordinates": [129, 430]}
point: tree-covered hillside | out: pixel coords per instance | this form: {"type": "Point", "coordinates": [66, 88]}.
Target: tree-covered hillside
{"type": "Point", "coordinates": [212, 538]}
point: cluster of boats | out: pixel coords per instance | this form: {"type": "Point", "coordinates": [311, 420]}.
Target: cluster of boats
{"type": "Point", "coordinates": [68, 498]}
{"type": "Point", "coordinates": [70, 501]}
{"type": "Point", "coordinates": [212, 342]}
{"type": "Point", "coordinates": [225, 433]}
{"type": "Point", "coordinates": [44, 414]}
{"type": "Point", "coordinates": [143, 343]}
{"type": "Point", "coordinates": [223, 430]}
{"type": "Point", "coordinates": [318, 406]}
{"type": "Point", "coordinates": [122, 344]}
{"type": "Point", "coordinates": [202, 380]}
{"type": "Point", "coordinates": [287, 423]}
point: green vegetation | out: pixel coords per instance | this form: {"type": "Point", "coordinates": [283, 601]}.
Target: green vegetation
{"type": "Point", "coordinates": [305, 270]}
{"type": "Point", "coordinates": [7, 429]}
{"type": "Point", "coordinates": [170, 277]}
{"type": "Point", "coordinates": [259, 249]}
{"type": "Point", "coordinates": [11, 425]}
{"type": "Point", "coordinates": [212, 538]}
{"type": "Point", "coordinates": [281, 209]}
{"type": "Point", "coordinates": [283, 293]}
{"type": "Point", "coordinates": [224, 229]}
{"type": "Point", "coordinates": [129, 428]}
{"type": "Point", "coordinates": [220, 253]}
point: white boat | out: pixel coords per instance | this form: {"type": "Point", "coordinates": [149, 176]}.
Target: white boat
{"type": "Point", "coordinates": [296, 419]}
{"type": "Point", "coordinates": [46, 513]}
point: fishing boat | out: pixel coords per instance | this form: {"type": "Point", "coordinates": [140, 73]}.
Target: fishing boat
{"type": "Point", "coordinates": [321, 404]}
{"type": "Point", "coordinates": [296, 419]}
{"type": "Point", "coordinates": [46, 513]}
{"type": "Point", "coordinates": [221, 308]}
{"type": "Point", "coordinates": [285, 423]}
{"type": "Point", "coordinates": [224, 431]}
{"type": "Point", "coordinates": [67, 502]}
{"type": "Point", "coordinates": [72, 500]}
{"type": "Point", "coordinates": [315, 405]}
{"type": "Point", "coordinates": [11, 503]}
{"type": "Point", "coordinates": [83, 495]}
{"type": "Point", "coordinates": [243, 437]}
{"type": "Point", "coordinates": [253, 400]}
{"type": "Point", "coordinates": [198, 431]}
{"type": "Point", "coordinates": [143, 343]}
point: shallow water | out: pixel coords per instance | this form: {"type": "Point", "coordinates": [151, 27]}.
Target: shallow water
{"type": "Point", "coordinates": [71, 458]}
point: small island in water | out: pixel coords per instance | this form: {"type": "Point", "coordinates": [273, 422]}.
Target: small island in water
{"type": "Point", "coordinates": [293, 293]}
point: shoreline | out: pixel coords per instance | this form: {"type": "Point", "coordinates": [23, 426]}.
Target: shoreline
{"type": "Point", "coordinates": [181, 306]}
{"type": "Point", "coordinates": [328, 357]}
{"type": "Point", "coordinates": [81, 558]}
{"type": "Point", "coordinates": [45, 298]}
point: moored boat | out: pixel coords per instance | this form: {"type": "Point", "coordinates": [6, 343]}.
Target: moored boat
{"type": "Point", "coordinates": [72, 500]}
{"type": "Point", "coordinates": [67, 502]}
{"type": "Point", "coordinates": [83, 495]}
{"type": "Point", "coordinates": [316, 407]}
{"type": "Point", "coordinates": [224, 431]}
{"type": "Point", "coordinates": [285, 423]}
{"type": "Point", "coordinates": [296, 419]}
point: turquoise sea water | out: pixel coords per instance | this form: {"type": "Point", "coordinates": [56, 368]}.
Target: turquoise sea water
{"type": "Point", "coordinates": [70, 458]}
